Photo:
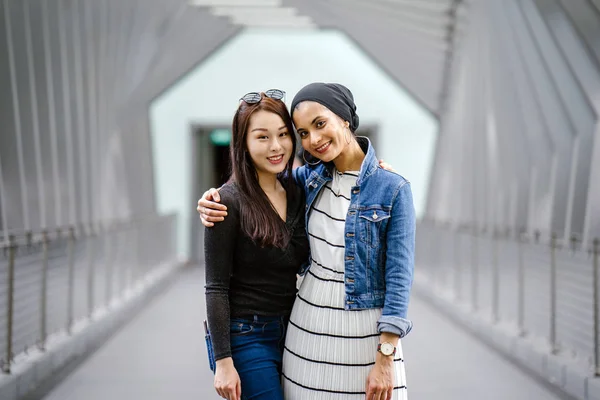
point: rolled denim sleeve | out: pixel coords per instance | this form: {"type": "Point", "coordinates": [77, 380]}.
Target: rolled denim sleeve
{"type": "Point", "coordinates": [399, 265]}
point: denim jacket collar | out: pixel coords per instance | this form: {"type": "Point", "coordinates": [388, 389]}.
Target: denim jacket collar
{"type": "Point", "coordinates": [369, 164]}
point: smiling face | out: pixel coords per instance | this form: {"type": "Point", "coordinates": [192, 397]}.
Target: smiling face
{"type": "Point", "coordinates": [324, 134]}
{"type": "Point", "coordinates": [269, 142]}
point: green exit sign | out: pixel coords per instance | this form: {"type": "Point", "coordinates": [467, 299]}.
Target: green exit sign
{"type": "Point", "coordinates": [220, 137]}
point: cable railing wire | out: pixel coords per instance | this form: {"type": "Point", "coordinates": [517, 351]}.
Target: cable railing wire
{"type": "Point", "coordinates": [52, 279]}
{"type": "Point", "coordinates": [541, 285]}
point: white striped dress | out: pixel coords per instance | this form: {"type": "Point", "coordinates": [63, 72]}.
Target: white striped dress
{"type": "Point", "coordinates": [329, 352]}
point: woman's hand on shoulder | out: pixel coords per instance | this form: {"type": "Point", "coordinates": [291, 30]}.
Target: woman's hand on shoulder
{"type": "Point", "coordinates": [209, 208]}
{"type": "Point", "coordinates": [386, 166]}
{"type": "Point", "coordinates": [227, 380]}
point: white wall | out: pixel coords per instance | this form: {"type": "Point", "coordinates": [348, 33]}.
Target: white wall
{"type": "Point", "coordinates": [257, 60]}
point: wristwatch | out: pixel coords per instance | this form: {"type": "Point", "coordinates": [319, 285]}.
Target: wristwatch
{"type": "Point", "coordinates": [387, 349]}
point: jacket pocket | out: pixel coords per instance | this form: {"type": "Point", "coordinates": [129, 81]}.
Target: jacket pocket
{"type": "Point", "coordinates": [372, 223]}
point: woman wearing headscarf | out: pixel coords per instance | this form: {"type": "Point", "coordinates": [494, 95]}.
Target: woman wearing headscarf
{"type": "Point", "coordinates": [343, 338]}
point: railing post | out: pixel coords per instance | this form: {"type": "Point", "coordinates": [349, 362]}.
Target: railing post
{"type": "Point", "coordinates": [426, 255]}
{"type": "Point", "coordinates": [495, 277]}
{"type": "Point", "coordinates": [521, 285]}
{"type": "Point", "coordinates": [70, 279]}
{"type": "Point", "coordinates": [108, 261]}
{"type": "Point", "coordinates": [120, 260]}
{"type": "Point", "coordinates": [474, 271]}
{"type": "Point", "coordinates": [457, 266]}
{"type": "Point", "coordinates": [136, 254]}
{"type": "Point", "coordinates": [12, 248]}
{"type": "Point", "coordinates": [44, 293]}
{"type": "Point", "coordinates": [553, 245]}
{"type": "Point", "coordinates": [436, 268]}
{"type": "Point", "coordinates": [573, 242]}
{"type": "Point", "coordinates": [129, 258]}
{"type": "Point", "coordinates": [596, 256]}
{"type": "Point", "coordinates": [91, 270]}
{"type": "Point", "coordinates": [447, 244]}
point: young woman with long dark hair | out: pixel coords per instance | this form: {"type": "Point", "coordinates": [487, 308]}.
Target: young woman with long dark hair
{"type": "Point", "coordinates": [252, 258]}
{"type": "Point", "coordinates": [343, 339]}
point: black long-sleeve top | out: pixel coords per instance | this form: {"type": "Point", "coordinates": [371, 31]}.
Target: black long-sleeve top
{"type": "Point", "coordinates": [243, 279]}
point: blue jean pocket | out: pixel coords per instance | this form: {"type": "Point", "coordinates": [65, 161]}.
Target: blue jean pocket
{"type": "Point", "coordinates": [209, 348]}
{"type": "Point", "coordinates": [240, 328]}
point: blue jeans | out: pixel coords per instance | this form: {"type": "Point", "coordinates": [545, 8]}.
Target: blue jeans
{"type": "Point", "coordinates": [257, 352]}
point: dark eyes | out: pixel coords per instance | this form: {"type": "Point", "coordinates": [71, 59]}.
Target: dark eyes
{"type": "Point", "coordinates": [319, 125]}
{"type": "Point", "coordinates": [282, 134]}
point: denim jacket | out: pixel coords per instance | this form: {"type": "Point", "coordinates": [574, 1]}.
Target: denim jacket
{"type": "Point", "coordinates": [379, 238]}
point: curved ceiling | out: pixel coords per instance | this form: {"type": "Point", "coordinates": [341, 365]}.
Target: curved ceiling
{"type": "Point", "coordinates": [412, 40]}
{"type": "Point", "coordinates": [78, 76]}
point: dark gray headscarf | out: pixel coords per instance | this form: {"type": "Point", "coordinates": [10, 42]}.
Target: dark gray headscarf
{"type": "Point", "coordinates": [338, 98]}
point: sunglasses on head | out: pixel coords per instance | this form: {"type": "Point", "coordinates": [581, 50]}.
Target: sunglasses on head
{"type": "Point", "coordinates": [255, 97]}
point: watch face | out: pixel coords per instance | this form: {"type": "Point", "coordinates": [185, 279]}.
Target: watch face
{"type": "Point", "coordinates": [387, 349]}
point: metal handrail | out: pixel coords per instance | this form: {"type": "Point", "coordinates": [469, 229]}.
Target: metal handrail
{"type": "Point", "coordinates": [519, 237]}
{"type": "Point", "coordinates": [157, 231]}
{"type": "Point", "coordinates": [30, 234]}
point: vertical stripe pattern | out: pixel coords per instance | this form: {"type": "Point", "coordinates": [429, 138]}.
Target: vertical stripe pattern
{"type": "Point", "coordinates": [329, 351]}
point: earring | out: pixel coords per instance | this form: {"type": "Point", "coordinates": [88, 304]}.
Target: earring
{"type": "Point", "coordinates": [306, 161]}
{"type": "Point", "coordinates": [348, 139]}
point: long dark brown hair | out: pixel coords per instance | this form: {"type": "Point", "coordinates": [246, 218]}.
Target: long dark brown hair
{"type": "Point", "coordinates": [259, 218]}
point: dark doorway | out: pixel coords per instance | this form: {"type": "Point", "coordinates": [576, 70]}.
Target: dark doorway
{"type": "Point", "coordinates": [222, 164]}
{"type": "Point", "coordinates": [211, 168]}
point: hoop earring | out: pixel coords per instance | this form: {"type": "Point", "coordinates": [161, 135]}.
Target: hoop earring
{"type": "Point", "coordinates": [304, 158]}
{"type": "Point", "coordinates": [348, 140]}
